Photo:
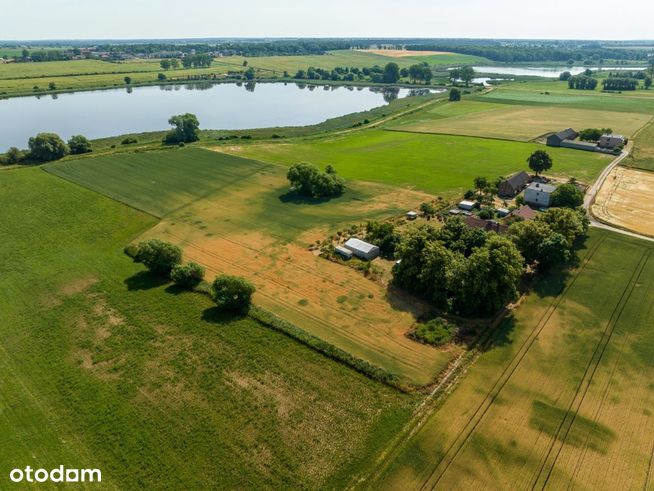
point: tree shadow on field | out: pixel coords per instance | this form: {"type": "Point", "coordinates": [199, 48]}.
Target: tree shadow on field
{"type": "Point", "coordinates": [216, 315]}
{"type": "Point", "coordinates": [145, 280]}
{"type": "Point", "coordinates": [295, 198]}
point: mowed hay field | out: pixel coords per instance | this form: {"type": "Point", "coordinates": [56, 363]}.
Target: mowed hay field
{"type": "Point", "coordinates": [514, 122]}
{"type": "Point", "coordinates": [624, 200]}
{"type": "Point", "coordinates": [564, 399]}
{"type": "Point", "coordinates": [440, 164]}
{"type": "Point", "coordinates": [104, 366]}
{"type": "Point", "coordinates": [239, 219]}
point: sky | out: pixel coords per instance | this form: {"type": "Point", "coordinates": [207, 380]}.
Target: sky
{"type": "Point", "coordinates": [143, 19]}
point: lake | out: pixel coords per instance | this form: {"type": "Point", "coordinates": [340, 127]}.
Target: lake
{"type": "Point", "coordinates": [548, 72]}
{"type": "Point", "coordinates": [102, 113]}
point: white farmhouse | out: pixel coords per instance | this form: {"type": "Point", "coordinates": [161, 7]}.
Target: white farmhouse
{"type": "Point", "coordinates": [539, 194]}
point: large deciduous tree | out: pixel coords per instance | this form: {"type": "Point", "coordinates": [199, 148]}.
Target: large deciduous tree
{"type": "Point", "coordinates": [539, 161]}
{"type": "Point", "coordinates": [45, 147]}
{"type": "Point", "coordinates": [185, 129]}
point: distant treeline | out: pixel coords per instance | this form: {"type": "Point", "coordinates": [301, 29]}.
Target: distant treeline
{"type": "Point", "coordinates": [561, 52]}
{"type": "Point", "coordinates": [272, 48]}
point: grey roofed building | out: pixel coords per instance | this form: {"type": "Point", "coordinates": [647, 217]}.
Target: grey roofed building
{"type": "Point", "coordinates": [362, 249]}
{"type": "Point", "coordinates": [611, 141]}
{"type": "Point", "coordinates": [556, 139]}
{"type": "Point", "coordinates": [579, 145]}
{"type": "Point", "coordinates": [539, 194]}
{"type": "Point", "coordinates": [342, 251]}
{"type": "Point", "coordinates": [514, 184]}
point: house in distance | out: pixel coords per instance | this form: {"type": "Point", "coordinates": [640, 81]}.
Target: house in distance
{"type": "Point", "coordinates": [556, 139]}
{"type": "Point", "coordinates": [611, 141]}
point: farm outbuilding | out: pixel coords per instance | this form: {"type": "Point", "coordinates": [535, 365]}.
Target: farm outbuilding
{"type": "Point", "coordinates": [579, 145]}
{"type": "Point", "coordinates": [524, 212]}
{"type": "Point", "coordinates": [539, 194]}
{"type": "Point", "coordinates": [467, 205]}
{"type": "Point", "coordinates": [343, 252]}
{"type": "Point", "coordinates": [556, 139]}
{"type": "Point", "coordinates": [411, 215]}
{"type": "Point", "coordinates": [362, 249]}
{"type": "Point", "coordinates": [513, 185]}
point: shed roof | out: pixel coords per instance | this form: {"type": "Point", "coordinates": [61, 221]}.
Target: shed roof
{"type": "Point", "coordinates": [359, 245]}
{"type": "Point", "coordinates": [525, 212]}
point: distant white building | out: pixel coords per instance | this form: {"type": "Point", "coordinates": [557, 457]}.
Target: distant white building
{"type": "Point", "coordinates": [539, 194]}
{"type": "Point", "coordinates": [362, 249]}
{"type": "Point", "coordinates": [467, 205]}
{"type": "Point", "coordinates": [343, 252]}
{"type": "Point", "coordinates": [411, 215]}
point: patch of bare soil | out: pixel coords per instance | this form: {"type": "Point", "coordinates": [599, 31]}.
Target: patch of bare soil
{"type": "Point", "coordinates": [625, 200]}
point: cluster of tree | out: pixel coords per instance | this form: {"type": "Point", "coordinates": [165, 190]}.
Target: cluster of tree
{"type": "Point", "coordinates": [308, 180]}
{"type": "Point", "coordinates": [567, 195]}
{"type": "Point", "coordinates": [565, 76]}
{"type": "Point", "coordinates": [42, 55]}
{"type": "Point", "coordinates": [164, 259]}
{"type": "Point", "coordinates": [582, 82]}
{"type": "Point", "coordinates": [200, 60]}
{"type": "Point", "coordinates": [473, 272]}
{"type": "Point", "coordinates": [465, 74]}
{"type": "Point", "coordinates": [241, 48]}
{"type": "Point", "coordinates": [45, 147]}
{"type": "Point", "coordinates": [384, 236]}
{"type": "Point", "coordinates": [418, 73]}
{"type": "Point", "coordinates": [620, 83]}
{"type": "Point", "coordinates": [548, 240]}
{"type": "Point", "coordinates": [459, 269]}
{"type": "Point", "coordinates": [169, 63]}
{"type": "Point", "coordinates": [593, 134]}
{"type": "Point", "coordinates": [186, 129]}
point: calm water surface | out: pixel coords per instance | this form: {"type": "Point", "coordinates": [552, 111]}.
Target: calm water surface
{"type": "Point", "coordinates": [103, 113]}
{"type": "Point", "coordinates": [548, 72]}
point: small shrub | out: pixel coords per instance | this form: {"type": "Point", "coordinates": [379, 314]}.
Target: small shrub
{"type": "Point", "coordinates": [129, 140]}
{"type": "Point", "coordinates": [232, 293]}
{"type": "Point", "coordinates": [181, 144]}
{"type": "Point", "coordinates": [13, 156]}
{"type": "Point", "coordinates": [188, 275]}
{"type": "Point", "coordinates": [436, 332]}
{"type": "Point", "coordinates": [79, 144]}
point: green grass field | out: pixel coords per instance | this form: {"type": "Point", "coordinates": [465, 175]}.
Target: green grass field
{"type": "Point", "coordinates": [564, 398]}
{"type": "Point", "coordinates": [536, 93]}
{"type": "Point", "coordinates": [235, 215]}
{"type": "Point", "coordinates": [439, 164]}
{"type": "Point", "coordinates": [104, 366]}
{"type": "Point", "coordinates": [514, 122]}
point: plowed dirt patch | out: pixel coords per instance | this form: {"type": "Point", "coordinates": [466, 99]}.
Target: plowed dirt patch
{"type": "Point", "coordinates": [625, 200]}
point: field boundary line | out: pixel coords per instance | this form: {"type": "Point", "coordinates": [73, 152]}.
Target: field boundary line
{"type": "Point", "coordinates": [587, 377]}
{"type": "Point", "coordinates": [466, 432]}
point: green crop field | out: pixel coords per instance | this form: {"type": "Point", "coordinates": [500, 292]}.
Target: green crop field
{"type": "Point", "coordinates": [104, 366]}
{"type": "Point", "coordinates": [440, 164]}
{"type": "Point", "coordinates": [528, 93]}
{"type": "Point", "coordinates": [514, 122]}
{"type": "Point", "coordinates": [564, 399]}
{"type": "Point", "coordinates": [234, 214]}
